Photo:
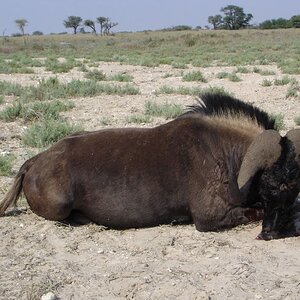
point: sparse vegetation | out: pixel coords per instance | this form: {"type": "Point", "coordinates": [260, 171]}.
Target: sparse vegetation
{"type": "Point", "coordinates": [139, 119]}
{"type": "Point", "coordinates": [266, 82]}
{"type": "Point", "coordinates": [282, 81]}
{"type": "Point", "coordinates": [96, 75]}
{"type": "Point", "coordinates": [231, 76]}
{"type": "Point", "coordinates": [166, 110]}
{"type": "Point", "coordinates": [279, 121]}
{"type": "Point", "coordinates": [194, 76]}
{"type": "Point", "coordinates": [293, 89]}
{"type": "Point", "coordinates": [122, 77]}
{"type": "Point", "coordinates": [35, 110]}
{"type": "Point", "coordinates": [263, 72]}
{"type": "Point", "coordinates": [243, 49]}
{"type": "Point", "coordinates": [6, 162]}
{"type": "Point", "coordinates": [48, 131]}
{"type": "Point", "coordinates": [297, 120]}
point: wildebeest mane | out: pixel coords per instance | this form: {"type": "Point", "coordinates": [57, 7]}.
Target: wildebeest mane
{"type": "Point", "coordinates": [210, 104]}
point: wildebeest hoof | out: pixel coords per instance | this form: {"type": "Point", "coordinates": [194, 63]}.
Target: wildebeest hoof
{"type": "Point", "coordinates": [14, 211]}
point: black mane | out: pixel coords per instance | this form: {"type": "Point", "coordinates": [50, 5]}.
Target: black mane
{"type": "Point", "coordinates": [222, 105]}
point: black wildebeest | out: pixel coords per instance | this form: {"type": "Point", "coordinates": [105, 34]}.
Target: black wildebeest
{"type": "Point", "coordinates": [213, 166]}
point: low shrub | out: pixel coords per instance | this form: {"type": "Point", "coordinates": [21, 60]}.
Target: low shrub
{"type": "Point", "coordinates": [167, 110]}
{"type": "Point", "coordinates": [48, 131]}
{"type": "Point", "coordinates": [6, 162]}
{"type": "Point", "coordinates": [194, 76]}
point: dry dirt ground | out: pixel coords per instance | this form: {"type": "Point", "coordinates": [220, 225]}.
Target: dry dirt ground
{"type": "Point", "coordinates": [166, 262]}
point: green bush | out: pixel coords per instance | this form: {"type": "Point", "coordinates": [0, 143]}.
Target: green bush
{"type": "Point", "coordinates": [95, 75]}
{"type": "Point", "coordinates": [53, 65]}
{"type": "Point", "coordinates": [12, 112]}
{"type": "Point", "coordinates": [282, 81]}
{"type": "Point", "coordinates": [10, 89]}
{"type": "Point", "coordinates": [263, 72]}
{"type": "Point", "coordinates": [35, 110]}
{"type": "Point", "coordinates": [194, 76]}
{"type": "Point", "coordinates": [45, 133]}
{"type": "Point", "coordinates": [231, 76]}
{"type": "Point", "coordinates": [266, 82]}
{"type": "Point", "coordinates": [279, 121]}
{"type": "Point", "coordinates": [6, 162]}
{"type": "Point", "coordinates": [167, 110]}
{"type": "Point", "coordinates": [121, 77]}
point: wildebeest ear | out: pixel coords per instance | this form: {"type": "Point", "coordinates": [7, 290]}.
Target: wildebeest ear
{"type": "Point", "coordinates": [262, 153]}
{"type": "Point", "coordinates": [294, 136]}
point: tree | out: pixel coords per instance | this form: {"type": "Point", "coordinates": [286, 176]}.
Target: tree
{"type": "Point", "coordinates": [276, 23]}
{"type": "Point", "coordinates": [91, 24]}
{"type": "Point", "coordinates": [73, 22]}
{"type": "Point", "coordinates": [102, 21]}
{"type": "Point", "coordinates": [216, 21]}
{"type": "Point", "coordinates": [235, 18]}
{"type": "Point", "coordinates": [37, 32]}
{"type": "Point", "coordinates": [105, 25]}
{"type": "Point", "coordinates": [21, 23]}
{"type": "Point", "coordinates": [295, 21]}
{"type": "Point", "coordinates": [108, 25]}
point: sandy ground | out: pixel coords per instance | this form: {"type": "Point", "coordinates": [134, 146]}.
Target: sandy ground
{"type": "Point", "coordinates": [166, 262]}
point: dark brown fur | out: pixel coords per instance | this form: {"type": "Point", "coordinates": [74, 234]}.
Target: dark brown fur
{"type": "Point", "coordinates": [184, 171]}
{"type": "Point", "coordinates": [125, 178]}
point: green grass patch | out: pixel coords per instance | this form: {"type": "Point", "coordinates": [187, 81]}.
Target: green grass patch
{"type": "Point", "coordinates": [242, 70]}
{"type": "Point", "coordinates": [231, 76]}
{"type": "Point", "coordinates": [96, 75]}
{"type": "Point", "coordinates": [279, 121]}
{"type": "Point", "coordinates": [179, 65]}
{"type": "Point", "coordinates": [52, 88]}
{"type": "Point", "coordinates": [105, 121]}
{"type": "Point", "coordinates": [6, 163]}
{"type": "Point", "coordinates": [194, 76]}
{"type": "Point", "coordinates": [45, 133]}
{"type": "Point", "coordinates": [1, 99]}
{"type": "Point", "coordinates": [266, 82]}
{"type": "Point", "coordinates": [283, 81]}
{"type": "Point", "coordinates": [55, 66]}
{"type": "Point", "coordinates": [203, 47]}
{"type": "Point", "coordinates": [194, 91]}
{"type": "Point", "coordinates": [121, 77]}
{"type": "Point", "coordinates": [139, 119]}
{"type": "Point", "coordinates": [166, 110]}
{"type": "Point", "coordinates": [35, 110]}
{"type": "Point", "coordinates": [263, 72]}
{"type": "Point", "coordinates": [297, 120]}
{"type": "Point", "coordinates": [293, 90]}
{"type": "Point", "coordinates": [10, 89]}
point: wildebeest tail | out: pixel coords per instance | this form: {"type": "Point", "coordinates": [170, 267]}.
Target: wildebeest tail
{"type": "Point", "coordinates": [12, 196]}
{"type": "Point", "coordinates": [212, 104]}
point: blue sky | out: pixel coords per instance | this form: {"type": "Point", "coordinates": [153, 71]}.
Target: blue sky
{"type": "Point", "coordinates": [132, 15]}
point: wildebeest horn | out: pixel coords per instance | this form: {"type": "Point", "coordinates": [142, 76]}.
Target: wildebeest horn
{"type": "Point", "coordinates": [294, 136]}
{"type": "Point", "coordinates": [262, 152]}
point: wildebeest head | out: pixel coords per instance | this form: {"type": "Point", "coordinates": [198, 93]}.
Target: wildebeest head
{"type": "Point", "coordinates": [277, 159]}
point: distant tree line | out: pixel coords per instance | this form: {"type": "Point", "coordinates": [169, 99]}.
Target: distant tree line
{"type": "Point", "coordinates": [234, 18]}
{"type": "Point", "coordinates": [76, 22]}
{"type": "Point", "coordinates": [293, 22]}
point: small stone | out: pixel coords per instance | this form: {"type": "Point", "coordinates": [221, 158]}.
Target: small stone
{"type": "Point", "coordinates": [49, 296]}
